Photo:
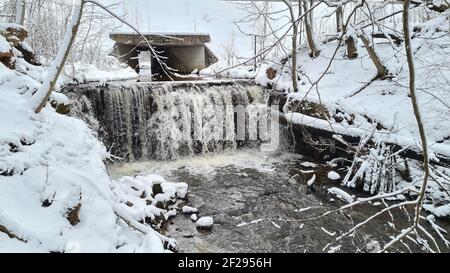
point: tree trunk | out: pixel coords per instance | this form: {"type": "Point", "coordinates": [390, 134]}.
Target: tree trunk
{"type": "Point", "coordinates": [415, 104]}
{"type": "Point", "coordinates": [40, 98]}
{"type": "Point", "coordinates": [20, 12]}
{"type": "Point", "coordinates": [339, 19]}
{"type": "Point", "coordinates": [294, 58]}
{"type": "Point", "coordinates": [309, 30]}
{"type": "Point", "coordinates": [352, 49]}
{"type": "Point", "coordinates": [382, 70]}
{"type": "Point", "coordinates": [294, 46]}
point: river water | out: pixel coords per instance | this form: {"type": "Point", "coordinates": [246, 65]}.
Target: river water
{"type": "Point", "coordinates": [261, 203]}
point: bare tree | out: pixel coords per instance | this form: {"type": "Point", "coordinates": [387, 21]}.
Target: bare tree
{"type": "Point", "coordinates": [294, 22]}
{"type": "Point", "coordinates": [308, 21]}
{"type": "Point", "coordinates": [339, 19]}
{"type": "Point", "coordinates": [41, 97]}
{"type": "Point", "coordinates": [416, 108]}
{"type": "Point", "coordinates": [230, 51]}
{"type": "Point", "coordinates": [382, 70]}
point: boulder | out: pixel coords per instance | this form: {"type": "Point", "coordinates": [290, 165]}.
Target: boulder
{"type": "Point", "coordinates": [10, 30]}
{"type": "Point", "coordinates": [205, 222]}
{"type": "Point", "coordinates": [60, 102]}
{"type": "Point", "coordinates": [271, 73]}
{"type": "Point", "coordinates": [6, 52]}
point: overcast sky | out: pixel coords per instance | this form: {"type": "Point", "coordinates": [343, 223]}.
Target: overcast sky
{"type": "Point", "coordinates": [203, 16]}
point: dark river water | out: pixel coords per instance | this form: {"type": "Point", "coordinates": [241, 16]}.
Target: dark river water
{"type": "Point", "coordinates": [261, 203]}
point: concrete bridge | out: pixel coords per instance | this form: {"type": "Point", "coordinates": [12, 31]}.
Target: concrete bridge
{"type": "Point", "coordinates": [184, 52]}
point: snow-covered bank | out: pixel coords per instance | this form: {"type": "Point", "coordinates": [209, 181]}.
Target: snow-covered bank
{"type": "Point", "coordinates": [353, 96]}
{"type": "Point", "coordinates": [50, 159]}
{"type": "Point", "coordinates": [55, 192]}
{"type": "Point", "coordinates": [110, 70]}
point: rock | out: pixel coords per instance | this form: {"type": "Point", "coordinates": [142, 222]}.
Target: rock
{"type": "Point", "coordinates": [73, 206]}
{"type": "Point", "coordinates": [10, 30]}
{"type": "Point", "coordinates": [333, 176]}
{"type": "Point", "coordinates": [6, 53]}
{"type": "Point", "coordinates": [182, 190]}
{"type": "Point", "coordinates": [271, 73]}
{"type": "Point", "coordinates": [188, 209]}
{"type": "Point", "coordinates": [61, 108]}
{"type": "Point", "coordinates": [341, 194]}
{"type": "Point", "coordinates": [156, 189]}
{"type": "Point", "coordinates": [15, 35]}
{"type": "Point", "coordinates": [205, 222]}
{"type": "Point", "coordinates": [27, 53]}
{"type": "Point", "coordinates": [194, 217]}
{"type": "Point", "coordinates": [73, 215]}
{"type": "Point", "coordinates": [13, 40]}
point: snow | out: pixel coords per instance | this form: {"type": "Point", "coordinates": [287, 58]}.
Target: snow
{"type": "Point", "coordinates": [311, 180]}
{"type": "Point", "coordinates": [441, 211]}
{"type": "Point", "coordinates": [332, 234]}
{"type": "Point", "coordinates": [54, 154]}
{"type": "Point", "coordinates": [83, 73]}
{"type": "Point", "coordinates": [341, 194]}
{"type": "Point", "coordinates": [332, 175]}
{"type": "Point", "coordinates": [135, 197]}
{"type": "Point", "coordinates": [224, 70]}
{"type": "Point", "coordinates": [308, 164]}
{"type": "Point", "coordinates": [73, 247]}
{"type": "Point", "coordinates": [205, 222]}
{"type": "Point", "coordinates": [5, 26]}
{"type": "Point", "coordinates": [194, 217]}
{"type": "Point", "coordinates": [59, 98]}
{"type": "Point", "coordinates": [349, 90]}
{"type": "Point", "coordinates": [188, 209]}
{"type": "Point", "coordinates": [5, 47]}
{"type": "Point", "coordinates": [56, 160]}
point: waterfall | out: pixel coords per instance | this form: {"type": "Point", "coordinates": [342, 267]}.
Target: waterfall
{"type": "Point", "coordinates": [140, 121]}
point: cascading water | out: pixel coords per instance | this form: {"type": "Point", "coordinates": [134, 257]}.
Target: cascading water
{"type": "Point", "coordinates": [140, 121]}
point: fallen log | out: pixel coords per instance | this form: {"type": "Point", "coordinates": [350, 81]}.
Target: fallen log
{"type": "Point", "coordinates": [303, 125]}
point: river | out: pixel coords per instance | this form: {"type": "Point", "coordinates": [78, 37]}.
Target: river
{"type": "Point", "coordinates": [261, 203]}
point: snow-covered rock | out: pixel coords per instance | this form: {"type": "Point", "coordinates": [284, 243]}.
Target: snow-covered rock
{"type": "Point", "coordinates": [188, 209]}
{"type": "Point", "coordinates": [341, 194]}
{"type": "Point", "coordinates": [5, 47]}
{"type": "Point", "coordinates": [194, 217]}
{"type": "Point", "coordinates": [441, 211]}
{"type": "Point", "coordinates": [332, 175]}
{"type": "Point", "coordinates": [182, 190]}
{"type": "Point", "coordinates": [205, 222]}
{"type": "Point", "coordinates": [308, 164]}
